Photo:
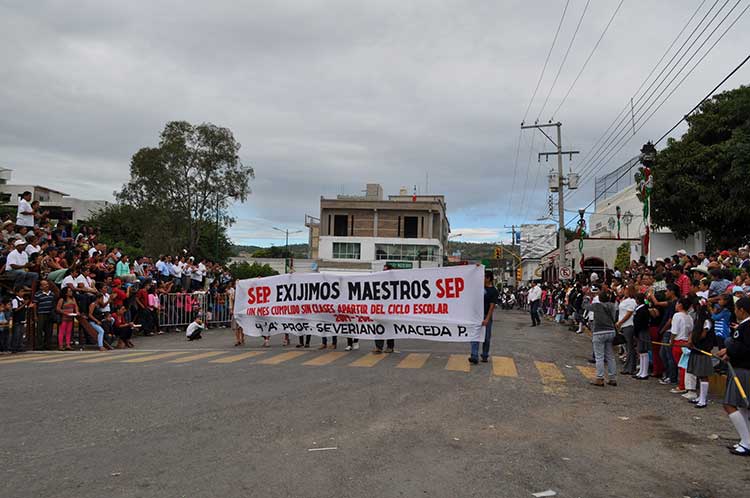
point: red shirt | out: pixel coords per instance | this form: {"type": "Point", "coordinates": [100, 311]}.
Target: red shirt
{"type": "Point", "coordinates": [683, 282]}
{"type": "Point", "coordinates": [118, 297]}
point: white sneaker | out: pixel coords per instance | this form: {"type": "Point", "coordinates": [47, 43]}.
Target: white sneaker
{"type": "Point", "coordinates": [356, 346]}
{"type": "Point", "coordinates": [348, 348]}
{"type": "Point", "coordinates": [690, 395]}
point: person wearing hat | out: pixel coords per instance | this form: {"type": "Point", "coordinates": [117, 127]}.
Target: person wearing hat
{"type": "Point", "coordinates": [699, 272]}
{"type": "Point", "coordinates": [17, 264]}
{"type": "Point", "coordinates": [8, 230]}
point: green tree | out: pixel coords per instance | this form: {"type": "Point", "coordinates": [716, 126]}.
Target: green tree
{"type": "Point", "coordinates": [246, 270]}
{"type": "Point", "coordinates": [192, 177]}
{"type": "Point", "coordinates": [622, 260]}
{"type": "Point", "coordinates": [700, 180]}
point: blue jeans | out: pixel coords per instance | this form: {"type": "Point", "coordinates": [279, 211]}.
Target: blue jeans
{"type": "Point", "coordinates": [99, 332]}
{"type": "Point", "coordinates": [670, 367]}
{"type": "Point", "coordinates": [603, 352]}
{"type": "Point", "coordinates": [485, 344]}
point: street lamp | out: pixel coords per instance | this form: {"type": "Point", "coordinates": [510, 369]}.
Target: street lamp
{"type": "Point", "coordinates": [286, 250]}
{"type": "Point", "coordinates": [627, 218]}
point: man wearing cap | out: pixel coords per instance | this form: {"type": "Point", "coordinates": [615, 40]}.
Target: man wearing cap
{"type": "Point", "coordinates": [17, 263]}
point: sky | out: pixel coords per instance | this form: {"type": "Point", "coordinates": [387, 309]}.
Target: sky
{"type": "Point", "coordinates": [326, 96]}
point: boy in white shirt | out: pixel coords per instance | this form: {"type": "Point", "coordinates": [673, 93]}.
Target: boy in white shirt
{"type": "Point", "coordinates": [193, 332]}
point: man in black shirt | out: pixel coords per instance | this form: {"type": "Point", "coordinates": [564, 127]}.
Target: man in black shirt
{"type": "Point", "coordinates": [490, 299]}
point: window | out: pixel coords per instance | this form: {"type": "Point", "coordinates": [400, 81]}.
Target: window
{"type": "Point", "coordinates": [340, 225]}
{"type": "Point", "coordinates": [405, 252]}
{"type": "Point", "coordinates": [345, 250]}
{"type": "Point", "coordinates": [411, 224]}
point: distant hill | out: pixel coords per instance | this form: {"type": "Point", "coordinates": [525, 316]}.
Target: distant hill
{"type": "Point", "coordinates": [475, 251]}
{"type": "Point", "coordinates": [298, 251]}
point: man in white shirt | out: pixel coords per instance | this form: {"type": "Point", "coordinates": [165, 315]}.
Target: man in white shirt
{"type": "Point", "coordinates": [16, 266]}
{"type": "Point", "coordinates": [625, 310]}
{"type": "Point", "coordinates": [75, 278]}
{"type": "Point", "coordinates": [535, 299]}
{"type": "Point", "coordinates": [25, 216]}
{"type": "Point", "coordinates": [197, 276]}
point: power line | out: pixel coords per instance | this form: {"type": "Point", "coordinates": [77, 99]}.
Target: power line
{"type": "Point", "coordinates": [515, 171]}
{"type": "Point", "coordinates": [643, 83]}
{"type": "Point", "coordinates": [565, 58]}
{"type": "Point", "coordinates": [624, 134]}
{"type": "Point", "coordinates": [526, 183]}
{"type": "Point", "coordinates": [704, 99]}
{"type": "Point", "coordinates": [546, 61]}
{"type": "Point", "coordinates": [588, 167]}
{"type": "Point", "coordinates": [591, 54]}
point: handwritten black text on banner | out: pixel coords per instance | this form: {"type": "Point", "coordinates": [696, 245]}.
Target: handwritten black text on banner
{"type": "Point", "coordinates": [443, 304]}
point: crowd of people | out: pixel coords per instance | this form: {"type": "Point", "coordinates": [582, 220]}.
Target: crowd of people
{"type": "Point", "coordinates": [679, 320]}
{"type": "Point", "coordinates": [58, 278]}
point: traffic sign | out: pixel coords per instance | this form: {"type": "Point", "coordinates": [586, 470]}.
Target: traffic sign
{"type": "Point", "coordinates": [566, 273]}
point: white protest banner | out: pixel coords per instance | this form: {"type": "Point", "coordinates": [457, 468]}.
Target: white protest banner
{"type": "Point", "coordinates": [440, 304]}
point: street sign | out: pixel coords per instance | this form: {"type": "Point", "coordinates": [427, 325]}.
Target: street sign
{"type": "Point", "coordinates": [566, 273]}
{"type": "Point", "coordinates": [400, 265]}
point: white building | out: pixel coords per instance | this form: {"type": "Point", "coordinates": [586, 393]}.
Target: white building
{"type": "Point", "coordinates": [60, 205]}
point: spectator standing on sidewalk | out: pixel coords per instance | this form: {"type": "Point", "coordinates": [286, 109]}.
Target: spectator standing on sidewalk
{"type": "Point", "coordinates": [603, 333]}
{"type": "Point", "coordinates": [44, 303]}
{"type": "Point", "coordinates": [490, 300]}
{"type": "Point", "coordinates": [19, 305]}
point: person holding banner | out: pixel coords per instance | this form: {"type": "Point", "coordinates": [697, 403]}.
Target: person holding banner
{"type": "Point", "coordinates": [736, 352]}
{"type": "Point", "coordinates": [391, 343]}
{"type": "Point", "coordinates": [490, 299]}
{"type": "Point", "coordinates": [535, 298]}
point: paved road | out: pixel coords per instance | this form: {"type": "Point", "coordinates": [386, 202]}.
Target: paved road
{"type": "Point", "coordinates": [179, 419]}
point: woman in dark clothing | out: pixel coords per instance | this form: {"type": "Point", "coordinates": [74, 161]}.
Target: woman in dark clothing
{"type": "Point", "coordinates": [700, 364]}
{"type": "Point", "coordinates": [641, 321]}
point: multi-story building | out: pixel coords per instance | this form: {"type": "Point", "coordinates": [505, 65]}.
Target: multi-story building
{"type": "Point", "coordinates": [363, 233]}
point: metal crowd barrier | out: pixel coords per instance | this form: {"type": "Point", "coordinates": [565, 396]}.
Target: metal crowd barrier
{"type": "Point", "coordinates": [179, 310]}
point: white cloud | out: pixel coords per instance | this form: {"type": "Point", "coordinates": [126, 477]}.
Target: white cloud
{"type": "Point", "coordinates": [476, 234]}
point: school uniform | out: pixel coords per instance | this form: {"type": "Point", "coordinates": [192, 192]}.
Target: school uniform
{"type": "Point", "coordinates": [700, 364]}
{"type": "Point", "coordinates": [738, 351]}
{"type": "Point", "coordinates": [641, 321]}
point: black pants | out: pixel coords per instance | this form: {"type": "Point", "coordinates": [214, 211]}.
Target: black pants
{"type": "Point", "coordinates": [195, 335]}
{"type": "Point", "coordinates": [4, 339]}
{"type": "Point", "coordinates": [334, 340]}
{"type": "Point", "coordinates": [124, 333]}
{"type": "Point", "coordinates": [304, 340]}
{"type": "Point", "coordinates": [16, 338]}
{"type": "Point", "coordinates": [535, 320]}
{"type": "Point", "coordinates": [44, 323]}
{"type": "Point", "coordinates": [350, 341]}
{"type": "Point", "coordinates": [391, 343]}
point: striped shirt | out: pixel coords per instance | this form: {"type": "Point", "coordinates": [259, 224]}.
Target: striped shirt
{"type": "Point", "coordinates": [45, 302]}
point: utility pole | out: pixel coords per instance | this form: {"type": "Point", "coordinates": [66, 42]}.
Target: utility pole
{"type": "Point", "coordinates": [572, 183]}
{"type": "Point", "coordinates": [513, 252]}
{"type": "Point", "coordinates": [286, 251]}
